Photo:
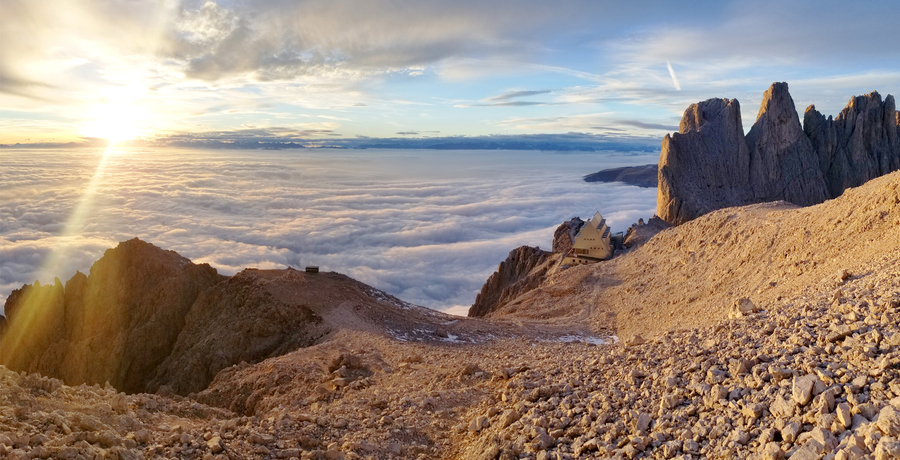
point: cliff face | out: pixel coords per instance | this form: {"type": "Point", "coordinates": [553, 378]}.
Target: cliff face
{"type": "Point", "coordinates": [783, 164]}
{"type": "Point", "coordinates": [522, 271]}
{"type": "Point", "coordinates": [706, 164]}
{"type": "Point", "coordinates": [857, 146]}
{"type": "Point", "coordinates": [116, 325]}
{"type": "Point", "coordinates": [709, 164]}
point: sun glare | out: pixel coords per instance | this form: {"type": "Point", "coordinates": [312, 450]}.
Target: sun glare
{"type": "Point", "coordinates": [115, 122]}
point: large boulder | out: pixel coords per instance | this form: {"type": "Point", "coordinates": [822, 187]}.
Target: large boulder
{"type": "Point", "coordinates": [523, 270]}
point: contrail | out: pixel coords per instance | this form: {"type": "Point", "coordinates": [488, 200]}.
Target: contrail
{"type": "Point", "coordinates": [674, 77]}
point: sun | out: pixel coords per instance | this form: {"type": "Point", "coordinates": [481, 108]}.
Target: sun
{"type": "Point", "coordinates": [115, 122]}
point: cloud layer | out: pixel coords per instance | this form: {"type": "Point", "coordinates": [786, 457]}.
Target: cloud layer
{"type": "Point", "coordinates": [427, 226]}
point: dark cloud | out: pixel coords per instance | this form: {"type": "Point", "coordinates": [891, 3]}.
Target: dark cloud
{"type": "Point", "coordinates": [515, 94]}
{"type": "Point", "coordinates": [512, 104]}
{"type": "Point", "coordinates": [428, 226]}
{"type": "Point", "coordinates": [408, 133]}
{"type": "Point", "coordinates": [13, 85]}
{"type": "Point", "coordinates": [643, 125]}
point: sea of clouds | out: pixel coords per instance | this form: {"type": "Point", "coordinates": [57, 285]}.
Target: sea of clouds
{"type": "Point", "coordinates": [426, 226]}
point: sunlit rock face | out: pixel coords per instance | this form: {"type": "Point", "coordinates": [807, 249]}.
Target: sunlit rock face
{"type": "Point", "coordinates": [523, 270]}
{"type": "Point", "coordinates": [705, 165]}
{"type": "Point", "coordinates": [709, 164]}
{"type": "Point", "coordinates": [783, 164]}
{"type": "Point", "coordinates": [148, 320]}
{"type": "Point", "coordinates": [115, 325]}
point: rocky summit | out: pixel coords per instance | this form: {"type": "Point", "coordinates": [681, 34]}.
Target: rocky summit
{"type": "Point", "coordinates": [710, 164]}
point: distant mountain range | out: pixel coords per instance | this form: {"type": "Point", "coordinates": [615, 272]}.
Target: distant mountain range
{"type": "Point", "coordinates": [580, 142]}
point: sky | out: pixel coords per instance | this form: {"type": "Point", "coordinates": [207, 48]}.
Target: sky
{"type": "Point", "coordinates": [75, 70]}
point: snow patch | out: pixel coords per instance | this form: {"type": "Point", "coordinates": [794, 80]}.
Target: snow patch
{"type": "Point", "coordinates": [593, 340]}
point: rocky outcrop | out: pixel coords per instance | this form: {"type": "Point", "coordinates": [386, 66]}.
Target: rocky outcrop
{"type": "Point", "coordinates": [522, 271]}
{"type": "Point", "coordinates": [116, 325]}
{"type": "Point", "coordinates": [857, 146]}
{"type": "Point", "coordinates": [148, 320]}
{"type": "Point", "coordinates": [564, 235]}
{"type": "Point", "coordinates": [709, 164]}
{"type": "Point", "coordinates": [639, 176]}
{"type": "Point", "coordinates": [783, 164]}
{"type": "Point", "coordinates": [705, 165]}
{"type": "Point", "coordinates": [641, 232]}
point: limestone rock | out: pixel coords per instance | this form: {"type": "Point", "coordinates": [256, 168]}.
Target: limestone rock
{"type": "Point", "coordinates": [859, 144]}
{"type": "Point", "coordinates": [783, 164]}
{"type": "Point", "coordinates": [564, 235]}
{"type": "Point", "coordinates": [889, 421]}
{"type": "Point", "coordinates": [115, 325]}
{"type": "Point", "coordinates": [522, 271]}
{"type": "Point", "coordinates": [709, 164]}
{"type": "Point", "coordinates": [705, 165]}
{"type": "Point", "coordinates": [641, 232]}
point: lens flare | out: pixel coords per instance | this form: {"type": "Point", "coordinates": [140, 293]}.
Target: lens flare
{"type": "Point", "coordinates": [29, 324]}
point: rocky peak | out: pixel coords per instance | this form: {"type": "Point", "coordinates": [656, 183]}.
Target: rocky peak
{"type": "Point", "coordinates": [858, 145]}
{"type": "Point", "coordinates": [115, 325]}
{"type": "Point", "coordinates": [783, 164]}
{"type": "Point", "coordinates": [704, 166]}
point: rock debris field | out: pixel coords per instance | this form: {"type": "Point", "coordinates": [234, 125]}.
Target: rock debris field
{"type": "Point", "coordinates": [813, 378]}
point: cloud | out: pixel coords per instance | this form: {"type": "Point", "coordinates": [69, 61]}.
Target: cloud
{"type": "Point", "coordinates": [598, 122]}
{"type": "Point", "coordinates": [507, 104]}
{"type": "Point", "coordinates": [515, 94]}
{"type": "Point", "coordinates": [427, 226]}
{"type": "Point", "coordinates": [643, 125]}
{"type": "Point", "coordinates": [674, 77]}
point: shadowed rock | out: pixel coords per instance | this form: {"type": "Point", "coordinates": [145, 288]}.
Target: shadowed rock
{"type": "Point", "coordinates": [705, 165]}
{"type": "Point", "coordinates": [857, 146]}
{"type": "Point", "coordinates": [116, 325]}
{"type": "Point", "coordinates": [639, 176]}
{"type": "Point", "coordinates": [522, 271]}
{"type": "Point", "coordinates": [564, 235]}
{"type": "Point", "coordinates": [709, 164]}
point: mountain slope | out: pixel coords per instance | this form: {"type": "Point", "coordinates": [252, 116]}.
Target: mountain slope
{"type": "Point", "coordinates": [690, 275]}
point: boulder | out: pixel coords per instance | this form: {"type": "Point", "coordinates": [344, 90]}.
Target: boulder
{"type": "Point", "coordinates": [564, 235]}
